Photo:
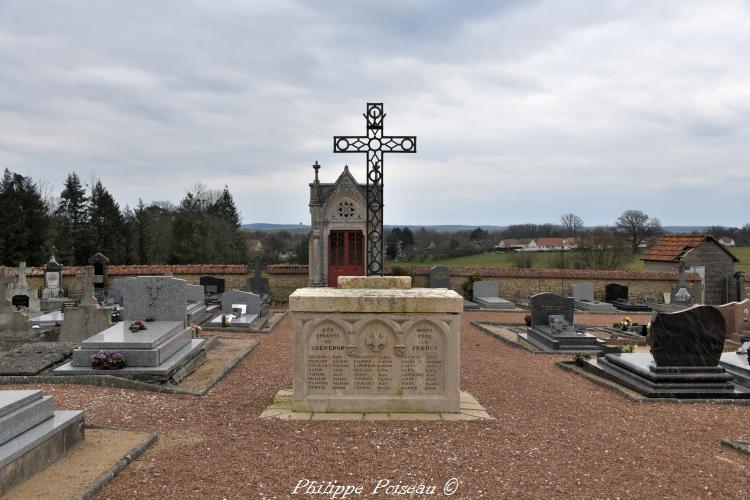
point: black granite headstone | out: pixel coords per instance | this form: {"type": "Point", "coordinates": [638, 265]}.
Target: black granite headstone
{"type": "Point", "coordinates": [212, 285]}
{"type": "Point", "coordinates": [613, 292]}
{"type": "Point", "coordinates": [694, 337]}
{"type": "Point", "coordinates": [258, 284]}
{"type": "Point", "coordinates": [544, 305]}
{"type": "Point", "coordinates": [440, 277]}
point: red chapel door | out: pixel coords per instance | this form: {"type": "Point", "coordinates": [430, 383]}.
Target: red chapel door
{"type": "Point", "coordinates": [346, 255]}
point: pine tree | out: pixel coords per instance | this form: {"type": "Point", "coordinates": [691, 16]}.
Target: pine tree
{"type": "Point", "coordinates": [23, 219]}
{"type": "Point", "coordinates": [225, 209]}
{"type": "Point", "coordinates": [72, 220]}
{"type": "Point", "coordinates": [141, 232]}
{"type": "Point", "coordinates": [106, 224]}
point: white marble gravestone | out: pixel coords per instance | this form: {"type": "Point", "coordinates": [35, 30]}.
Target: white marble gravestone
{"type": "Point", "coordinates": [365, 348]}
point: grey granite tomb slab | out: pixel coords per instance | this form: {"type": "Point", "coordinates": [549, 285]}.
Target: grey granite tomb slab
{"type": "Point", "coordinates": [583, 295]}
{"type": "Point", "coordinates": [161, 298]}
{"type": "Point", "coordinates": [11, 401]}
{"type": "Point", "coordinates": [139, 357]}
{"type": "Point", "coordinates": [196, 293]}
{"type": "Point", "coordinates": [487, 295]}
{"type": "Point", "coordinates": [582, 291]}
{"type": "Point", "coordinates": [251, 300]}
{"type": "Point", "coordinates": [119, 337]}
{"type": "Point", "coordinates": [24, 418]}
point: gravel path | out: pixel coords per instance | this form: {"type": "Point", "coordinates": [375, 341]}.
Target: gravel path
{"type": "Point", "coordinates": [556, 435]}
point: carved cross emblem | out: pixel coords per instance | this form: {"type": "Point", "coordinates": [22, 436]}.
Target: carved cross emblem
{"type": "Point", "coordinates": [376, 341]}
{"type": "Point", "coordinates": [154, 287]}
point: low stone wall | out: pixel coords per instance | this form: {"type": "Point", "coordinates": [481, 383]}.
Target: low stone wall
{"type": "Point", "coordinates": [514, 283]}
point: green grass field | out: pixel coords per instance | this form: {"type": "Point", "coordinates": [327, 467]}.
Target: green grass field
{"type": "Point", "coordinates": [545, 260]}
{"type": "Point", "coordinates": [742, 253]}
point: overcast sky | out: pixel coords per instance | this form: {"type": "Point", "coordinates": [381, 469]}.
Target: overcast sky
{"type": "Point", "coordinates": [523, 110]}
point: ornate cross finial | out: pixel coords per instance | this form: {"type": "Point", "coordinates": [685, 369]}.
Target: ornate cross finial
{"type": "Point", "coordinates": [375, 144]}
{"type": "Point", "coordinates": [316, 167]}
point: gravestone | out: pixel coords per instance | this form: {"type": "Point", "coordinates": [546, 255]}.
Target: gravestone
{"type": "Point", "coordinates": [53, 279]}
{"type": "Point", "coordinates": [101, 276]}
{"type": "Point", "coordinates": [487, 295]}
{"type": "Point", "coordinates": [20, 294]}
{"type": "Point", "coordinates": [737, 318]}
{"type": "Point", "coordinates": [614, 292]}
{"type": "Point", "coordinates": [259, 284]}
{"type": "Point", "coordinates": [617, 295]}
{"type": "Point", "coordinates": [10, 318]}
{"type": "Point", "coordinates": [33, 435]}
{"type": "Point", "coordinates": [195, 293]}
{"type": "Point", "coordinates": [583, 296]}
{"type": "Point", "coordinates": [680, 294]}
{"type": "Point", "coordinates": [582, 291]}
{"type": "Point", "coordinates": [212, 285]}
{"type": "Point", "coordinates": [164, 351]}
{"type": "Point", "coordinates": [376, 349]}
{"type": "Point", "coordinates": [685, 362]}
{"type": "Point", "coordinates": [88, 319]}
{"type": "Point", "coordinates": [552, 329]}
{"type": "Point", "coordinates": [160, 298]}
{"type": "Point", "coordinates": [440, 277]}
{"type": "Point", "coordinates": [544, 305]}
{"type": "Point", "coordinates": [250, 300]}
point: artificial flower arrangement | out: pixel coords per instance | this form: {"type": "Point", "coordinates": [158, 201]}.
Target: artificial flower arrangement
{"type": "Point", "coordinates": [108, 360]}
{"type": "Point", "coordinates": [626, 324]}
{"type": "Point", "coordinates": [137, 326]}
{"type": "Point", "coordinates": [197, 330]}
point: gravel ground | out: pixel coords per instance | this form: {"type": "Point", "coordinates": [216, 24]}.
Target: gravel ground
{"type": "Point", "coordinates": [556, 435]}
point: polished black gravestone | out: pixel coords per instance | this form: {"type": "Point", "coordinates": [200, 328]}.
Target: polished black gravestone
{"type": "Point", "coordinates": [212, 288]}
{"type": "Point", "coordinates": [552, 329]}
{"type": "Point", "coordinates": [617, 295]}
{"type": "Point", "coordinates": [686, 347]}
{"type": "Point", "coordinates": [440, 277]}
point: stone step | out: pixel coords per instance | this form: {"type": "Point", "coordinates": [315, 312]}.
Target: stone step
{"type": "Point", "coordinates": [10, 401]}
{"type": "Point", "coordinates": [42, 444]}
{"type": "Point", "coordinates": [138, 357]}
{"type": "Point", "coordinates": [24, 418]}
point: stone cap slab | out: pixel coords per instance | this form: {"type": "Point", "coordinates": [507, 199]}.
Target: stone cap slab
{"type": "Point", "coordinates": [13, 400]}
{"type": "Point", "coordinates": [119, 336]}
{"type": "Point", "coordinates": [365, 300]}
{"type": "Point", "coordinates": [380, 282]}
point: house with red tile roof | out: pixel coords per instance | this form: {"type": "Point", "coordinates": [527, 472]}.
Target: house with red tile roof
{"type": "Point", "coordinates": [702, 254]}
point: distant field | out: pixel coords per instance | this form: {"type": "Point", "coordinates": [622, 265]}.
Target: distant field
{"type": "Point", "coordinates": [542, 260]}
{"type": "Point", "coordinates": [742, 253]}
{"type": "Point", "coordinates": [545, 260]}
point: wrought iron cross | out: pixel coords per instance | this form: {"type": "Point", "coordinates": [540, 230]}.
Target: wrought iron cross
{"type": "Point", "coordinates": [375, 144]}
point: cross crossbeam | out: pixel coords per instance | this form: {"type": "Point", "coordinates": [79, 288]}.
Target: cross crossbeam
{"type": "Point", "coordinates": [375, 144]}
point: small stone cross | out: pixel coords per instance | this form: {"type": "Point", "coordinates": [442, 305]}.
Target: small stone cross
{"type": "Point", "coordinates": [22, 272]}
{"type": "Point", "coordinates": [88, 287]}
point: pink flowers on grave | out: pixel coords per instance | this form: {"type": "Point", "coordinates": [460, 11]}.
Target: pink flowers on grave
{"type": "Point", "coordinates": [108, 360]}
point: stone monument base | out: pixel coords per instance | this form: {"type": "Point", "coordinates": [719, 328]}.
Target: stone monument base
{"type": "Point", "coordinates": [494, 303]}
{"type": "Point", "coordinates": [154, 354]}
{"type": "Point", "coordinates": [33, 435]}
{"type": "Point", "coordinates": [376, 345]}
{"type": "Point", "coordinates": [566, 341]}
{"type": "Point", "coordinates": [603, 307]}
{"type": "Point", "coordinates": [639, 372]}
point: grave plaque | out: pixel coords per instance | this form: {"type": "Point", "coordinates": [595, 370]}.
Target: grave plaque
{"type": "Point", "coordinates": [376, 350]}
{"type": "Point", "coordinates": [544, 305]}
{"type": "Point", "coordinates": [440, 277]}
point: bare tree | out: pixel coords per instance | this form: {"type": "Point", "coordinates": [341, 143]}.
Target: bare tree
{"type": "Point", "coordinates": [600, 249]}
{"type": "Point", "coordinates": [571, 223]}
{"type": "Point", "coordinates": [636, 227]}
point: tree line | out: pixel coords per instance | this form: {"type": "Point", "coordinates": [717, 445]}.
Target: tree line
{"type": "Point", "coordinates": [86, 219]}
